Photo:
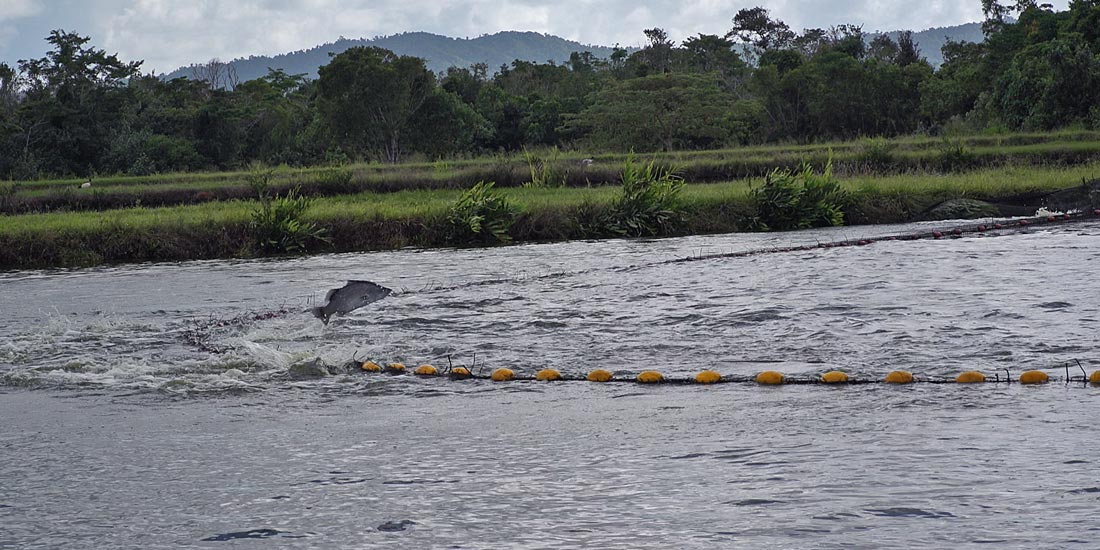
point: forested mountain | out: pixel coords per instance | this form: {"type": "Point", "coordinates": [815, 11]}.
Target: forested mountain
{"type": "Point", "coordinates": [439, 52]}
{"type": "Point", "coordinates": [442, 52]}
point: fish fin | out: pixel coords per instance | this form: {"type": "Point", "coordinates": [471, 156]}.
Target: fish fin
{"type": "Point", "coordinates": [331, 293]}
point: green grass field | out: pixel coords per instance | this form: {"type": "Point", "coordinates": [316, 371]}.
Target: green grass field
{"type": "Point", "coordinates": [926, 156]}
{"type": "Point", "coordinates": [371, 220]}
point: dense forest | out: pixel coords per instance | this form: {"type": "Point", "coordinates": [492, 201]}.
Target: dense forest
{"type": "Point", "coordinates": [81, 111]}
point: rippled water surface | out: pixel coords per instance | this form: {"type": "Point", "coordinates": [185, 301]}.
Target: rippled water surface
{"type": "Point", "coordinates": [160, 406]}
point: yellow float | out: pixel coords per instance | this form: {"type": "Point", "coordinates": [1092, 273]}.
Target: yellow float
{"type": "Point", "coordinates": [599, 375]}
{"type": "Point", "coordinates": [1034, 377]}
{"type": "Point", "coordinates": [970, 377]}
{"type": "Point", "coordinates": [708, 377]}
{"type": "Point", "coordinates": [899, 377]}
{"type": "Point", "coordinates": [502, 375]}
{"type": "Point", "coordinates": [769, 378]}
{"type": "Point", "coordinates": [547, 375]}
{"type": "Point", "coordinates": [766, 378]}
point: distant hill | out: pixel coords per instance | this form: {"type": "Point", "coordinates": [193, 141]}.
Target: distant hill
{"type": "Point", "coordinates": [932, 40]}
{"type": "Point", "coordinates": [440, 52]}
{"type": "Point", "coordinates": [502, 48]}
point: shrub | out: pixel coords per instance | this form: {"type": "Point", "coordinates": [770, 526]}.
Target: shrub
{"type": "Point", "coordinates": [26, 167]}
{"type": "Point", "coordinates": [336, 157]}
{"type": "Point", "coordinates": [649, 204]}
{"type": "Point", "coordinates": [877, 154]}
{"type": "Point", "coordinates": [442, 168]}
{"type": "Point", "coordinates": [1093, 120]}
{"type": "Point", "coordinates": [143, 153]}
{"type": "Point", "coordinates": [953, 155]}
{"type": "Point", "coordinates": [480, 215]}
{"type": "Point", "coordinates": [799, 199]}
{"type": "Point", "coordinates": [259, 179]}
{"type": "Point", "coordinates": [334, 179]}
{"type": "Point", "coordinates": [545, 170]}
{"type": "Point", "coordinates": [7, 195]}
{"type": "Point", "coordinates": [276, 224]}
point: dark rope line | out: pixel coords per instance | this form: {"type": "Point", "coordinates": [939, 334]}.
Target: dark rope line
{"type": "Point", "coordinates": [955, 232]}
{"type": "Point", "coordinates": [1004, 225]}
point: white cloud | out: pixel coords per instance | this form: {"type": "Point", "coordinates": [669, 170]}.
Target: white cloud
{"type": "Point", "coordinates": [7, 34]}
{"type": "Point", "coordinates": [15, 9]}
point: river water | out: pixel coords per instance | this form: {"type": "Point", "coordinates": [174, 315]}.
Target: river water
{"type": "Point", "coordinates": [163, 406]}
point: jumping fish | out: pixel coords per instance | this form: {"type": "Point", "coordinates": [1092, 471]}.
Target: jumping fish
{"type": "Point", "coordinates": [351, 296]}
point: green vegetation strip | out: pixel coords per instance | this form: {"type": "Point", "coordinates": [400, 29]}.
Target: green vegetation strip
{"type": "Point", "coordinates": [371, 221]}
{"type": "Point", "coordinates": [878, 156]}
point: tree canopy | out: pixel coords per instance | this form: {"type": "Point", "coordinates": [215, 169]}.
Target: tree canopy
{"type": "Point", "coordinates": [81, 111]}
{"type": "Point", "coordinates": [369, 98]}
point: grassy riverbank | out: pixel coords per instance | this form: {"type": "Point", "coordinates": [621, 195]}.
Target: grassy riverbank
{"type": "Point", "coordinates": [850, 159]}
{"type": "Point", "coordinates": [372, 221]}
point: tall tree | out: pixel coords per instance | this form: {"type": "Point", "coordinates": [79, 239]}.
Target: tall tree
{"type": "Point", "coordinates": [617, 62]}
{"type": "Point", "coordinates": [658, 112]}
{"type": "Point", "coordinates": [657, 54]}
{"type": "Point", "coordinates": [9, 87]}
{"type": "Point", "coordinates": [1049, 85]}
{"type": "Point", "coordinates": [714, 53]}
{"type": "Point", "coordinates": [70, 106]}
{"type": "Point", "coordinates": [465, 82]}
{"type": "Point", "coordinates": [217, 74]}
{"type": "Point", "coordinates": [908, 52]}
{"type": "Point", "coordinates": [1084, 17]}
{"type": "Point", "coordinates": [849, 40]}
{"type": "Point", "coordinates": [507, 116]}
{"type": "Point", "coordinates": [955, 88]}
{"type": "Point", "coordinates": [369, 96]}
{"type": "Point", "coordinates": [996, 16]}
{"type": "Point", "coordinates": [754, 26]}
{"type": "Point", "coordinates": [445, 125]}
{"type": "Point", "coordinates": [883, 48]}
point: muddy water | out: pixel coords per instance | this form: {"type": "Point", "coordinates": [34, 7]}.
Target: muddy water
{"type": "Point", "coordinates": [159, 406]}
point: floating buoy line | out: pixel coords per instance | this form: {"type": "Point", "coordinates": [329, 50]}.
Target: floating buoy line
{"type": "Point", "coordinates": [708, 377]}
{"type": "Point", "coordinates": [774, 378]}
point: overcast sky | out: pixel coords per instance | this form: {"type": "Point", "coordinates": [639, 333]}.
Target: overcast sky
{"type": "Point", "coordinates": [170, 33]}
